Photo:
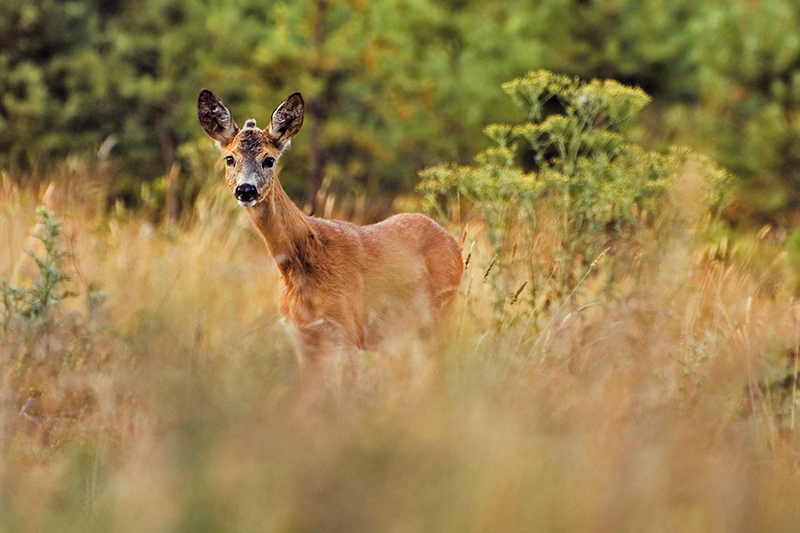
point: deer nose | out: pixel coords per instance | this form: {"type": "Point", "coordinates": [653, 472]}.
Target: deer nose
{"type": "Point", "coordinates": [246, 193]}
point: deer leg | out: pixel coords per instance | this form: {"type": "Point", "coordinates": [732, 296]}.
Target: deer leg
{"type": "Point", "coordinates": [328, 361]}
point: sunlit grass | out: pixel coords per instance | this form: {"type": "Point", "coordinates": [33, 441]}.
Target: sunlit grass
{"type": "Point", "coordinates": [666, 406]}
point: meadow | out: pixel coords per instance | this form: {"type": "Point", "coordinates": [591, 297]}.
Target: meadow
{"type": "Point", "coordinates": [159, 394]}
{"type": "Point", "coordinates": [625, 349]}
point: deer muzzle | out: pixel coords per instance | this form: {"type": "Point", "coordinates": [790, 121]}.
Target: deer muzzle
{"type": "Point", "coordinates": [246, 194]}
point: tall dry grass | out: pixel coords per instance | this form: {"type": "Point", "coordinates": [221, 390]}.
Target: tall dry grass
{"type": "Point", "coordinates": [166, 402]}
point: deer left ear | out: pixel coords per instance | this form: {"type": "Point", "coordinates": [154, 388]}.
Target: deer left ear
{"type": "Point", "coordinates": [286, 121]}
{"type": "Point", "coordinates": [215, 118]}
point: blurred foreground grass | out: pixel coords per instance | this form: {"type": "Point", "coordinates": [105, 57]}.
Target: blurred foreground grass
{"type": "Point", "coordinates": [161, 397]}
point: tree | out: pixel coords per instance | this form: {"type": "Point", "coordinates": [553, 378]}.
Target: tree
{"type": "Point", "coordinates": [46, 58]}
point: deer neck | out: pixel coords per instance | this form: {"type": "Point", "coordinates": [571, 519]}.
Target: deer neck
{"type": "Point", "coordinates": [284, 227]}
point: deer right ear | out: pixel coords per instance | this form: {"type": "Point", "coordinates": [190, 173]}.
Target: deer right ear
{"type": "Point", "coordinates": [215, 118]}
{"type": "Point", "coordinates": [286, 120]}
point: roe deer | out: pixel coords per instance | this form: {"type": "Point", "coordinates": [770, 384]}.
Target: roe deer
{"type": "Point", "coordinates": [343, 287]}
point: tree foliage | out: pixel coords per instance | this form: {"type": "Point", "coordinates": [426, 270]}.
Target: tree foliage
{"type": "Point", "coordinates": [393, 86]}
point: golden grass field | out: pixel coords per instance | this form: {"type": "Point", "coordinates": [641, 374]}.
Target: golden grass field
{"type": "Point", "coordinates": [670, 405]}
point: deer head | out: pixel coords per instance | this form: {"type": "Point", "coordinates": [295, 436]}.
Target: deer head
{"type": "Point", "coordinates": [250, 153]}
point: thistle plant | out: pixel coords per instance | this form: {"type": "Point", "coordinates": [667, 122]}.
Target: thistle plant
{"type": "Point", "coordinates": [26, 305]}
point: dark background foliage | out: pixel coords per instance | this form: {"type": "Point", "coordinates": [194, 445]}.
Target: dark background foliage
{"type": "Point", "coordinates": [393, 87]}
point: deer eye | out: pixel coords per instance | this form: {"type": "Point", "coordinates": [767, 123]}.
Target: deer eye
{"type": "Point", "coordinates": [229, 160]}
{"type": "Point", "coordinates": [268, 162]}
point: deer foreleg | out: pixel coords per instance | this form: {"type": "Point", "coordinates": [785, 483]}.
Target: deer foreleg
{"type": "Point", "coordinates": [328, 360]}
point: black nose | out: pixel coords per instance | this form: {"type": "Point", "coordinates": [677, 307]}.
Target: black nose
{"type": "Point", "coordinates": [246, 192]}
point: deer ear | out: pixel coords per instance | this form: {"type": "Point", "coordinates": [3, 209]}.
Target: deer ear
{"type": "Point", "coordinates": [286, 120]}
{"type": "Point", "coordinates": [215, 118]}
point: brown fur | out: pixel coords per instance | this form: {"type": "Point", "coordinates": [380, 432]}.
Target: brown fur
{"type": "Point", "coordinates": [344, 287]}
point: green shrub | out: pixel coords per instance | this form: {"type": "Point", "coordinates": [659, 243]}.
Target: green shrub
{"type": "Point", "coordinates": [564, 185]}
